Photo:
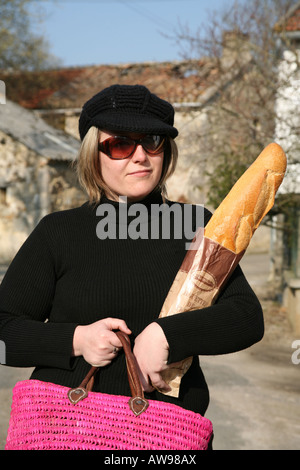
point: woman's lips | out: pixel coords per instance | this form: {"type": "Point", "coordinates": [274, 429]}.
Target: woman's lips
{"type": "Point", "coordinates": [140, 173]}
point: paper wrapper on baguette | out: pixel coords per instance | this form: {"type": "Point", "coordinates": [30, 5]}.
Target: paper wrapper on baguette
{"type": "Point", "coordinates": [219, 247]}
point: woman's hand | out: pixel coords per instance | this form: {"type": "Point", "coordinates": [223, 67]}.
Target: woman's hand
{"type": "Point", "coordinates": [97, 343]}
{"type": "Point", "coordinates": [151, 350]}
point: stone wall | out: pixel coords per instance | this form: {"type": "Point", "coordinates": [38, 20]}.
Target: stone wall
{"type": "Point", "coordinates": [30, 187]}
{"type": "Point", "coordinates": [19, 205]}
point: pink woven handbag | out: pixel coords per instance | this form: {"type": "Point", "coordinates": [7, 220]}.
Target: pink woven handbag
{"type": "Point", "coordinates": [45, 416]}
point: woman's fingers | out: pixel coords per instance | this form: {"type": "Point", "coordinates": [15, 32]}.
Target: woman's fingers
{"type": "Point", "coordinates": [151, 350]}
{"type": "Point", "coordinates": [159, 384]}
{"type": "Point", "coordinates": [154, 382]}
{"type": "Point", "coordinates": [117, 324]}
{"type": "Point", "coordinates": [97, 342]}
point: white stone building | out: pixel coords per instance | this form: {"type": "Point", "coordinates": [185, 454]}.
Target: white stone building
{"type": "Point", "coordinates": [287, 134]}
{"type": "Point", "coordinates": [35, 174]}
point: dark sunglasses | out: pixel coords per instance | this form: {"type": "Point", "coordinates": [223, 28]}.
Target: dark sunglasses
{"type": "Point", "coordinates": [120, 147]}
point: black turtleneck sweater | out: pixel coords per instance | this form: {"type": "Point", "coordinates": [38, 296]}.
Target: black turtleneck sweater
{"type": "Point", "coordinates": [65, 275]}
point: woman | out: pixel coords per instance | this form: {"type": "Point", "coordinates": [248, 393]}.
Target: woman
{"type": "Point", "coordinates": [72, 283]}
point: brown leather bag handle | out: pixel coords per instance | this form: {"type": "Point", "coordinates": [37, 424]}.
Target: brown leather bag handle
{"type": "Point", "coordinates": [137, 402]}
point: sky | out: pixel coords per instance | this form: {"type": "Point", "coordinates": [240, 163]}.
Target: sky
{"type": "Point", "coordinates": [94, 32]}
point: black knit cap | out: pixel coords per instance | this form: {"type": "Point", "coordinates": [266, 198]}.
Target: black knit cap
{"type": "Point", "coordinates": [129, 108]}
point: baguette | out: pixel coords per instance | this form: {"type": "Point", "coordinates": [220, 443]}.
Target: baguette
{"type": "Point", "coordinates": [238, 216]}
{"type": "Point", "coordinates": [205, 271]}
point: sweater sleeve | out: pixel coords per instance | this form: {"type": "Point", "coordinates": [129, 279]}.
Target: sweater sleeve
{"type": "Point", "coordinates": [233, 323]}
{"type": "Point", "coordinates": [26, 295]}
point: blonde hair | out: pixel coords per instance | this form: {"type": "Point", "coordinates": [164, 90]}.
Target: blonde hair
{"type": "Point", "coordinates": [89, 170]}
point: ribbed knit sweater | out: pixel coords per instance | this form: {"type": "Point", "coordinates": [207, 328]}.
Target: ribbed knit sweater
{"type": "Point", "coordinates": [64, 275]}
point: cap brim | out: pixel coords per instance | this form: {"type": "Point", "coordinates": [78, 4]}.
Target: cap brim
{"type": "Point", "coordinates": [140, 123]}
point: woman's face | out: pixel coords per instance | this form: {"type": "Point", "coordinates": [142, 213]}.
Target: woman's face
{"type": "Point", "coordinates": [134, 177]}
